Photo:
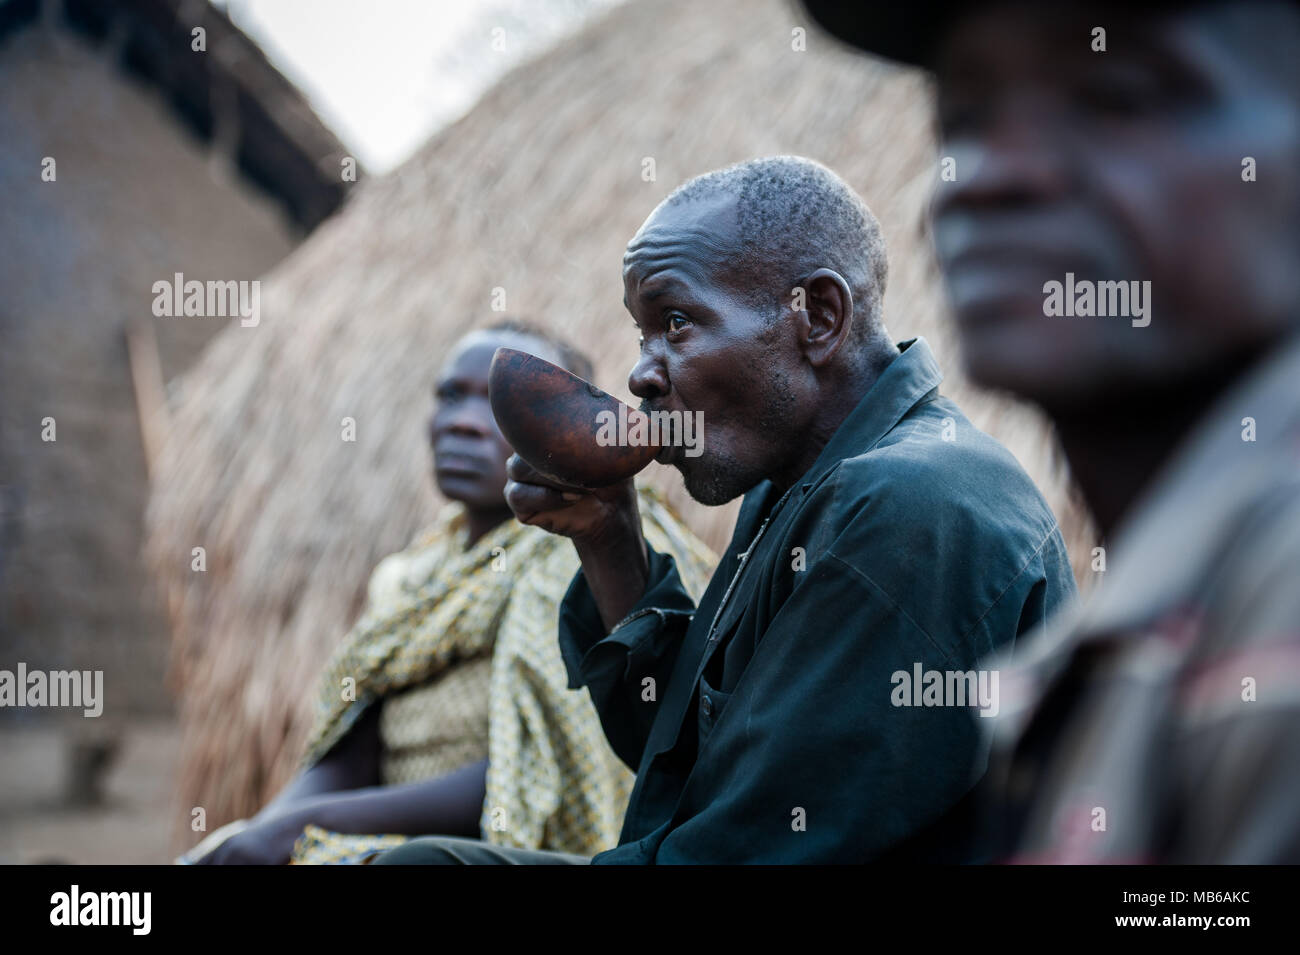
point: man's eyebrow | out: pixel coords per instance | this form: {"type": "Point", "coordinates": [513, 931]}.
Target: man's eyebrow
{"type": "Point", "coordinates": [658, 286]}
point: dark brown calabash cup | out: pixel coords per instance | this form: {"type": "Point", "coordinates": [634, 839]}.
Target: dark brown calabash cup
{"type": "Point", "coordinates": [551, 417]}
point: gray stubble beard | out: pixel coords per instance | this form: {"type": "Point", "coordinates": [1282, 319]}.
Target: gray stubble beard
{"type": "Point", "coordinates": [714, 478]}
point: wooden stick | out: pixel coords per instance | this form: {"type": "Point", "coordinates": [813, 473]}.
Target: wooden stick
{"type": "Point", "coordinates": [150, 393]}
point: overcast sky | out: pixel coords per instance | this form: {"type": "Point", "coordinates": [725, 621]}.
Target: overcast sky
{"type": "Point", "coordinates": [386, 74]}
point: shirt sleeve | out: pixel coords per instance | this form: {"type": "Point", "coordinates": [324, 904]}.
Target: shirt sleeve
{"type": "Point", "coordinates": [1240, 801]}
{"type": "Point", "coordinates": [1239, 705]}
{"type": "Point", "coordinates": [615, 667]}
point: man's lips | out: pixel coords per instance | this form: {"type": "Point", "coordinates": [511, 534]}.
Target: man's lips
{"type": "Point", "coordinates": [672, 453]}
{"type": "Point", "coordinates": [1065, 237]}
{"type": "Point", "coordinates": [458, 464]}
{"type": "Point", "coordinates": [975, 280]}
{"type": "Point", "coordinates": [988, 282]}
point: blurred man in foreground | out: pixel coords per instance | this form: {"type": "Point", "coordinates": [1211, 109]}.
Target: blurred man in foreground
{"type": "Point", "coordinates": [1144, 154]}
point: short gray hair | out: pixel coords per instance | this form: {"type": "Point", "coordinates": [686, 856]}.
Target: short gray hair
{"type": "Point", "coordinates": [795, 216]}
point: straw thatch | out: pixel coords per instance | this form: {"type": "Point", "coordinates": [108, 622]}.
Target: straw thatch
{"type": "Point", "coordinates": [535, 192]}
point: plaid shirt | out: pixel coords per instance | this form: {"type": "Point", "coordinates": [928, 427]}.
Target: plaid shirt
{"type": "Point", "coordinates": [1160, 720]}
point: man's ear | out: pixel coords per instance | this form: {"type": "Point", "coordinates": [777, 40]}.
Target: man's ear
{"type": "Point", "coordinates": [827, 316]}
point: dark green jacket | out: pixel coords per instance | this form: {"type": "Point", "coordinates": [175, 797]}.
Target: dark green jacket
{"type": "Point", "coordinates": [764, 725]}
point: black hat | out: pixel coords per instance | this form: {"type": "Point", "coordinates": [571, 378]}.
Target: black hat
{"type": "Point", "coordinates": [909, 30]}
{"type": "Point", "coordinates": [904, 30]}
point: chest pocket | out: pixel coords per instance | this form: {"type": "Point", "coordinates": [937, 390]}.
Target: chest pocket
{"type": "Point", "coordinates": [711, 704]}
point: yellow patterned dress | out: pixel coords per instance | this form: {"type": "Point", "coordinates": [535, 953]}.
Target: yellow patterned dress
{"type": "Point", "coordinates": [459, 648]}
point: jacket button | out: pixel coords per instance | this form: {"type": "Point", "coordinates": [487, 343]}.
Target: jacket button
{"type": "Point", "coordinates": [707, 705]}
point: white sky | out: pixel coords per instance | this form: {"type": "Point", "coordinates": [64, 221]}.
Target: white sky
{"type": "Point", "coordinates": [386, 74]}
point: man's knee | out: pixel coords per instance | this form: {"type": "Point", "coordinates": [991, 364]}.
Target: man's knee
{"type": "Point", "coordinates": [427, 850]}
{"type": "Point", "coordinates": [452, 850]}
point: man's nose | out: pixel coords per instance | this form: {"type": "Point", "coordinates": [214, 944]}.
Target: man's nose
{"type": "Point", "coordinates": [649, 378]}
{"type": "Point", "coordinates": [468, 418]}
{"type": "Point", "coordinates": [1017, 159]}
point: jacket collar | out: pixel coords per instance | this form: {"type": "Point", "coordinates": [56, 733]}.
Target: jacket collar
{"type": "Point", "coordinates": [908, 379]}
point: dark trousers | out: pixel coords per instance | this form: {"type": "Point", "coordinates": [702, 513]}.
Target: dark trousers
{"type": "Point", "coordinates": [450, 850]}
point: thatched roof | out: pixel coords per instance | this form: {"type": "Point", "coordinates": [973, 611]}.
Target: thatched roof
{"type": "Point", "coordinates": [229, 95]}
{"type": "Point", "coordinates": [536, 191]}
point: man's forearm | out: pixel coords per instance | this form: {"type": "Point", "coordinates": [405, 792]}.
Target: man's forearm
{"type": "Point", "coordinates": [617, 569]}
